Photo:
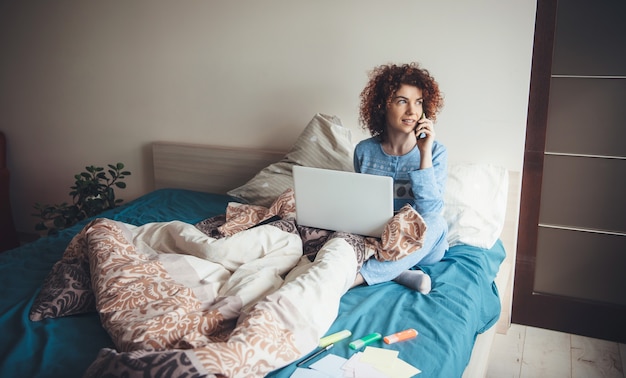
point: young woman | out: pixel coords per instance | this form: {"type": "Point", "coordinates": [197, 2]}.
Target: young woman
{"type": "Point", "coordinates": [399, 106]}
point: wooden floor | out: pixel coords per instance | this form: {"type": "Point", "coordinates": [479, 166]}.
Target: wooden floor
{"type": "Point", "coordinates": [529, 352]}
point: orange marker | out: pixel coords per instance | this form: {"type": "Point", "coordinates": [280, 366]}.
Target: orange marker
{"type": "Point", "coordinates": [407, 334]}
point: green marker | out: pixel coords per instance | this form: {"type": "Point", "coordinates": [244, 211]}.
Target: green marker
{"type": "Point", "coordinates": [366, 340]}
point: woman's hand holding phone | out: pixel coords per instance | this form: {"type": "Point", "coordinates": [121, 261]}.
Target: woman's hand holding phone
{"type": "Point", "coordinates": [420, 135]}
{"type": "Point", "coordinates": [425, 133]}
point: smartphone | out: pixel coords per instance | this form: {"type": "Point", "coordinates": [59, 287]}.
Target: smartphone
{"type": "Point", "coordinates": [421, 135]}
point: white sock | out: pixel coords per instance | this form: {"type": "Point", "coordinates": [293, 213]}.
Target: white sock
{"type": "Point", "coordinates": [416, 280]}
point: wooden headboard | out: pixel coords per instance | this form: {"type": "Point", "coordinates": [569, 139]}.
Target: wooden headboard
{"type": "Point", "coordinates": [207, 168]}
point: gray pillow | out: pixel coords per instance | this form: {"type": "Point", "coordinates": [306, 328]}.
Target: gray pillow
{"type": "Point", "coordinates": [324, 143]}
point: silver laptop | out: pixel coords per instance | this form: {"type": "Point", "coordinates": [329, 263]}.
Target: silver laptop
{"type": "Point", "coordinates": [343, 201]}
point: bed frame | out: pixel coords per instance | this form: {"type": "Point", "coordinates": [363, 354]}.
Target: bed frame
{"type": "Point", "coordinates": [219, 169]}
{"type": "Point", "coordinates": [8, 234]}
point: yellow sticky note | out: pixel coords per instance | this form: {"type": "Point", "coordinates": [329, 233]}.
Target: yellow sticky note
{"type": "Point", "coordinates": [387, 362]}
{"type": "Point", "coordinates": [379, 358]}
{"type": "Point", "coordinates": [402, 369]}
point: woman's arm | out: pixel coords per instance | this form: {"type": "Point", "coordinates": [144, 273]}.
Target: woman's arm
{"type": "Point", "coordinates": [429, 184]}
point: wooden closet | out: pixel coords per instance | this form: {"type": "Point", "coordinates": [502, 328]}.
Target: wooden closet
{"type": "Point", "coordinates": [571, 257]}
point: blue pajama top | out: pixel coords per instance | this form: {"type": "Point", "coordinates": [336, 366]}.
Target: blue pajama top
{"type": "Point", "coordinates": [422, 188]}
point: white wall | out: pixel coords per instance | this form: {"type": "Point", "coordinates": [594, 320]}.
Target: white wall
{"type": "Point", "coordinates": [85, 83]}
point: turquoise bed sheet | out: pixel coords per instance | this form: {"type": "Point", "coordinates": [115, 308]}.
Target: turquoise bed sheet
{"type": "Point", "coordinates": [463, 303]}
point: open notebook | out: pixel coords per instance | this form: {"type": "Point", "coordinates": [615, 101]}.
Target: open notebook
{"type": "Point", "coordinates": [343, 201]}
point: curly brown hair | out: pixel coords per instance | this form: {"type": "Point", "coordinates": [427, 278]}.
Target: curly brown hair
{"type": "Point", "coordinates": [384, 81]}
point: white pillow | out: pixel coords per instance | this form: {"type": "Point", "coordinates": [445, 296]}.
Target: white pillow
{"type": "Point", "coordinates": [324, 143]}
{"type": "Point", "coordinates": [475, 203]}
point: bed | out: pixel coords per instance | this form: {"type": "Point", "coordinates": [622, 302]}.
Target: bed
{"type": "Point", "coordinates": [195, 185]}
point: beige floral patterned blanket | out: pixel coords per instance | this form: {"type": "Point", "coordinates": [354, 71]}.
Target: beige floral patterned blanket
{"type": "Point", "coordinates": [179, 301]}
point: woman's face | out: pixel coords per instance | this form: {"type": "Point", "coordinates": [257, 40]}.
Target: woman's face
{"type": "Point", "coordinates": [404, 109]}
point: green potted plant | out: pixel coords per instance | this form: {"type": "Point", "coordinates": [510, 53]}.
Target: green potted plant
{"type": "Point", "coordinates": [92, 193]}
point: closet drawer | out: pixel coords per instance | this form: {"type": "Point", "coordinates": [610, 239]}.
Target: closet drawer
{"type": "Point", "coordinates": [584, 192]}
{"type": "Point", "coordinates": [590, 38]}
{"type": "Point", "coordinates": [581, 265]}
{"type": "Point", "coordinates": [587, 116]}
